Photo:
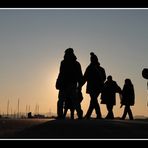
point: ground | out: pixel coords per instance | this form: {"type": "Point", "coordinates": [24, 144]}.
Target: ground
{"type": "Point", "coordinates": [74, 129]}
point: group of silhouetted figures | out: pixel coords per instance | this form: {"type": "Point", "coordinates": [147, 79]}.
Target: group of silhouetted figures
{"type": "Point", "coordinates": [71, 80]}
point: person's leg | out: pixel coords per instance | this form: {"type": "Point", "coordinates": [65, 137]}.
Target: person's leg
{"type": "Point", "coordinates": [71, 95]}
{"type": "Point", "coordinates": [129, 111]}
{"type": "Point", "coordinates": [79, 111]}
{"type": "Point", "coordinates": [110, 114]}
{"type": "Point", "coordinates": [70, 105]}
{"type": "Point", "coordinates": [60, 108]}
{"type": "Point", "coordinates": [90, 109]}
{"type": "Point", "coordinates": [124, 113]}
{"type": "Point", "coordinates": [96, 105]}
{"type": "Point", "coordinates": [65, 112]}
{"type": "Point", "coordinates": [72, 113]}
{"type": "Point", "coordinates": [107, 107]}
{"type": "Point", "coordinates": [60, 104]}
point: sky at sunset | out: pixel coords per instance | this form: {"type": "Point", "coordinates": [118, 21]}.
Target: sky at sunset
{"type": "Point", "coordinates": [32, 45]}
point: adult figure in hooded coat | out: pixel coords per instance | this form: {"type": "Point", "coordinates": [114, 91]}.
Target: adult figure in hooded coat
{"type": "Point", "coordinates": [94, 76]}
{"type": "Point", "coordinates": [128, 98]}
{"type": "Point", "coordinates": [108, 95]}
{"type": "Point", "coordinates": [68, 81]}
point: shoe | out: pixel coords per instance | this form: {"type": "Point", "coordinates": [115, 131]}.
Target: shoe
{"type": "Point", "coordinates": [99, 118]}
{"type": "Point", "coordinates": [59, 118]}
{"type": "Point", "coordinates": [80, 117]}
{"type": "Point", "coordinates": [85, 117]}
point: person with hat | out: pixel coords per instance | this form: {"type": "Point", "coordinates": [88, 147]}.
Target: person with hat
{"type": "Point", "coordinates": [128, 98]}
{"type": "Point", "coordinates": [108, 95]}
{"type": "Point", "coordinates": [95, 77]}
{"type": "Point", "coordinates": [68, 83]}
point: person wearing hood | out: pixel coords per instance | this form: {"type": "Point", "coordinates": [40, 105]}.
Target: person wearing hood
{"type": "Point", "coordinates": [94, 76]}
{"type": "Point", "coordinates": [68, 81]}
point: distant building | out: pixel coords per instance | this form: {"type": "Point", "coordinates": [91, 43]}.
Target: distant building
{"type": "Point", "coordinates": [35, 116]}
{"type": "Point", "coordinates": [29, 115]}
{"type": "Point", "coordinates": [39, 116]}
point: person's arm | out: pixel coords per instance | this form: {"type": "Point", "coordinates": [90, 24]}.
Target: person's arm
{"type": "Point", "coordinates": [80, 77]}
{"type": "Point", "coordinates": [104, 75]}
{"type": "Point", "coordinates": [59, 79]}
{"type": "Point", "coordinates": [85, 77]}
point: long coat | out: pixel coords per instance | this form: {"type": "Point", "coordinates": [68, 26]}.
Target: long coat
{"type": "Point", "coordinates": [70, 75]}
{"type": "Point", "coordinates": [94, 76]}
{"type": "Point", "coordinates": [108, 95]}
{"type": "Point", "coordinates": [128, 95]}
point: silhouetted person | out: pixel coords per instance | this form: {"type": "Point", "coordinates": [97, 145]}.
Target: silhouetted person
{"type": "Point", "coordinates": [68, 81]}
{"type": "Point", "coordinates": [94, 76]}
{"type": "Point", "coordinates": [108, 95]}
{"type": "Point", "coordinates": [145, 74]}
{"type": "Point", "coordinates": [128, 98]}
{"type": "Point", "coordinates": [69, 105]}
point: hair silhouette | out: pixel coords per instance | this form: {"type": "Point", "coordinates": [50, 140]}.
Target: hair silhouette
{"type": "Point", "coordinates": [145, 73]}
{"type": "Point", "coordinates": [128, 98]}
{"type": "Point", "coordinates": [94, 76]}
{"type": "Point", "coordinates": [68, 81]}
{"type": "Point", "coordinates": [108, 95]}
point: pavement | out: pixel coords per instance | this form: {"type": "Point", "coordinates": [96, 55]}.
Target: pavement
{"type": "Point", "coordinates": [85, 129]}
